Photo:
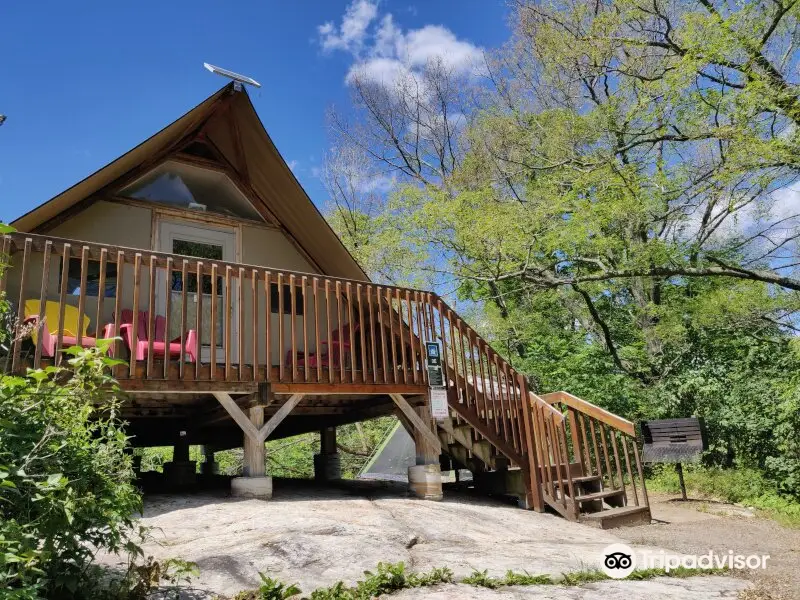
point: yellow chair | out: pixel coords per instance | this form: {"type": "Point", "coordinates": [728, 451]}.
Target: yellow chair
{"type": "Point", "coordinates": [50, 330]}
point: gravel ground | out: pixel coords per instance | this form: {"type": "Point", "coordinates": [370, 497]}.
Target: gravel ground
{"type": "Point", "coordinates": [316, 536]}
{"type": "Point", "coordinates": [695, 527]}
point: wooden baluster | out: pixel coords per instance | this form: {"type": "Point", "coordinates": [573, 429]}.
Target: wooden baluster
{"type": "Point", "coordinates": [645, 499]}
{"type": "Point", "coordinates": [454, 352]}
{"type": "Point", "coordinates": [463, 358]}
{"type": "Point", "coordinates": [167, 316]}
{"type": "Point", "coordinates": [199, 319]}
{"type": "Point", "coordinates": [184, 318]}
{"type": "Point", "coordinates": [587, 458]}
{"type": "Point", "coordinates": [391, 334]}
{"type": "Point", "coordinates": [575, 437]}
{"type": "Point", "coordinates": [541, 448]}
{"type": "Point", "coordinates": [604, 446]}
{"type": "Point", "coordinates": [212, 367]}
{"type": "Point", "coordinates": [151, 315]}
{"type": "Point", "coordinates": [268, 323]}
{"type": "Point", "coordinates": [339, 319]}
{"type": "Point", "coordinates": [118, 370]}
{"type": "Point", "coordinates": [352, 350]}
{"type": "Point", "coordinates": [82, 297]}
{"type": "Point", "coordinates": [293, 321]}
{"type": "Point", "coordinates": [62, 303]}
{"type": "Point", "coordinates": [501, 408]}
{"type": "Point", "coordinates": [362, 330]}
{"type": "Point", "coordinates": [445, 364]}
{"type": "Point", "coordinates": [306, 370]}
{"type": "Point", "coordinates": [101, 293]}
{"type": "Point", "coordinates": [254, 305]}
{"type": "Point", "coordinates": [227, 321]}
{"type": "Point", "coordinates": [595, 448]}
{"type": "Point", "coordinates": [373, 341]}
{"type": "Point", "coordinates": [515, 410]}
{"type": "Point", "coordinates": [378, 298]}
{"type": "Point", "coordinates": [26, 256]}
{"type": "Point", "coordinates": [329, 341]}
{"type": "Point", "coordinates": [281, 343]}
{"type": "Point", "coordinates": [240, 355]}
{"type": "Point", "coordinates": [40, 324]}
{"type": "Point", "coordinates": [613, 435]}
{"type": "Point", "coordinates": [401, 335]}
{"type": "Point", "coordinates": [485, 383]}
{"type": "Point", "coordinates": [137, 267]}
{"type": "Point", "coordinates": [411, 345]}
{"type": "Point", "coordinates": [628, 469]}
{"type": "Point", "coordinates": [556, 458]}
{"type": "Point", "coordinates": [317, 346]}
{"type": "Point", "coordinates": [420, 335]}
{"type": "Point", "coordinates": [562, 442]}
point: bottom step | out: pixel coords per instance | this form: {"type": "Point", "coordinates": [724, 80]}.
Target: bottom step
{"type": "Point", "coordinates": [624, 516]}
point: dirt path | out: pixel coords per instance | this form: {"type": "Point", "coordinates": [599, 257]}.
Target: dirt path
{"type": "Point", "coordinates": [695, 527]}
{"type": "Point", "coordinates": [317, 536]}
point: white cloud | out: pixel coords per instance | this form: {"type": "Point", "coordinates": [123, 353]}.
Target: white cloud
{"type": "Point", "coordinates": [384, 53]}
{"type": "Point", "coordinates": [350, 35]}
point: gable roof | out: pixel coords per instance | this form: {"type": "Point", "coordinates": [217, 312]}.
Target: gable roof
{"type": "Point", "coordinates": [228, 120]}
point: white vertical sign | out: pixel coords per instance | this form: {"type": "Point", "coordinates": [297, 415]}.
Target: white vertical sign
{"type": "Point", "coordinates": [439, 408]}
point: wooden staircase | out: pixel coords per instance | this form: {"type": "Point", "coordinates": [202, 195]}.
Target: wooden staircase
{"type": "Point", "coordinates": [552, 451]}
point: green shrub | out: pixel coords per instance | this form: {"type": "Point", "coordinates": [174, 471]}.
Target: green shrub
{"type": "Point", "coordinates": [65, 477]}
{"type": "Point", "coordinates": [270, 589]}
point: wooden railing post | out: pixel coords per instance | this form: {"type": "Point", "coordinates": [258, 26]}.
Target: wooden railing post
{"type": "Point", "coordinates": [533, 482]}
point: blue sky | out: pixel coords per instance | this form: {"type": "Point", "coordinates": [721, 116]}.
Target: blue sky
{"type": "Point", "coordinates": [82, 83]}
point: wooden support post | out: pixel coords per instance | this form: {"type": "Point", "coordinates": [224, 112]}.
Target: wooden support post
{"type": "Point", "coordinates": [255, 453]}
{"type": "Point", "coordinates": [180, 449]}
{"type": "Point", "coordinates": [424, 478]}
{"type": "Point", "coordinates": [327, 464]}
{"type": "Point", "coordinates": [327, 438]}
{"type": "Point", "coordinates": [427, 452]}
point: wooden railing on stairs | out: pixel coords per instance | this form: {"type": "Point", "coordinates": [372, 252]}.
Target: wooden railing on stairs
{"type": "Point", "coordinates": [579, 440]}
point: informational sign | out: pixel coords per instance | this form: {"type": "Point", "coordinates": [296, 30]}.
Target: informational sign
{"type": "Point", "coordinates": [439, 408]}
{"type": "Point", "coordinates": [433, 360]}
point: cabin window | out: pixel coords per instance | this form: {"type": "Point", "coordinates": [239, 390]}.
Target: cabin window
{"type": "Point", "coordinates": [182, 185]}
{"type": "Point", "coordinates": [198, 250]}
{"type": "Point", "coordinates": [287, 300]}
{"type": "Point", "coordinates": [92, 278]}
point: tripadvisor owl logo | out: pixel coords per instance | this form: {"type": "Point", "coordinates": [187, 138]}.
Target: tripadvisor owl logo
{"type": "Point", "coordinates": [618, 561]}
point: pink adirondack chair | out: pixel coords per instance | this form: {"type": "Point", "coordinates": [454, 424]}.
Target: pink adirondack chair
{"type": "Point", "coordinates": [330, 351]}
{"type": "Point", "coordinates": [160, 346]}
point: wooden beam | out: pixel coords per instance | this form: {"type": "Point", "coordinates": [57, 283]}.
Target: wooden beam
{"type": "Point", "coordinates": [279, 416]}
{"type": "Point", "coordinates": [237, 415]}
{"type": "Point", "coordinates": [418, 423]}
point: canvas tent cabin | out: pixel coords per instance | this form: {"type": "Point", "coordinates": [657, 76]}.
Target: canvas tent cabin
{"type": "Point", "coordinates": [241, 316]}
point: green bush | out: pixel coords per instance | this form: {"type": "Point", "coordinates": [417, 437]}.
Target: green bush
{"type": "Point", "coordinates": [65, 477]}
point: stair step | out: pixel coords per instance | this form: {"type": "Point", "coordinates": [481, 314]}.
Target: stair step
{"type": "Point", "coordinates": [623, 516]}
{"type": "Point", "coordinates": [599, 495]}
{"type": "Point", "coordinates": [582, 479]}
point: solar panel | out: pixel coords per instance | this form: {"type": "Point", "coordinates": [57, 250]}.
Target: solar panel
{"type": "Point", "coordinates": [232, 75]}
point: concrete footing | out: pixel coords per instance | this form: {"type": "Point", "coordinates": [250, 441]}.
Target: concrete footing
{"type": "Point", "coordinates": [327, 467]}
{"type": "Point", "coordinates": [425, 481]}
{"type": "Point", "coordinates": [252, 487]}
{"type": "Point", "coordinates": [180, 473]}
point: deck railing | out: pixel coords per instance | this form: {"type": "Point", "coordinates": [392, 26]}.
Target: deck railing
{"type": "Point", "coordinates": [257, 324]}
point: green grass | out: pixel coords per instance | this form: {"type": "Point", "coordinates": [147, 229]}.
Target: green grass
{"type": "Point", "coordinates": [389, 578]}
{"type": "Point", "coordinates": [740, 486]}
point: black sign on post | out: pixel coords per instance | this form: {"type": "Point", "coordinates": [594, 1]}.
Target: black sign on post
{"type": "Point", "coordinates": [433, 359]}
{"type": "Point", "coordinates": [674, 441]}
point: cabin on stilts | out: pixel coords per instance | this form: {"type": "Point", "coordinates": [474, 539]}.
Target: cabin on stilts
{"type": "Point", "coordinates": [241, 317]}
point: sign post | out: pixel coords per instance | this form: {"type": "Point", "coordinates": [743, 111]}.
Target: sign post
{"type": "Point", "coordinates": [436, 384]}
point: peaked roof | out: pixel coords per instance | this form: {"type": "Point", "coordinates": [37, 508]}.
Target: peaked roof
{"type": "Point", "coordinates": [228, 120]}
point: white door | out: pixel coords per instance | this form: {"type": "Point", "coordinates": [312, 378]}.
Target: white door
{"type": "Point", "coordinates": [208, 242]}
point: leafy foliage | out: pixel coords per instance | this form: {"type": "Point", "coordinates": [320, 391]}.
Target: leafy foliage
{"type": "Point", "coordinates": [270, 589]}
{"type": "Point", "coordinates": [65, 477]}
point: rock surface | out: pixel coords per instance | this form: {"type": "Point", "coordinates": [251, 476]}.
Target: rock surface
{"type": "Point", "coordinates": [315, 536]}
